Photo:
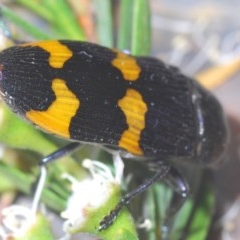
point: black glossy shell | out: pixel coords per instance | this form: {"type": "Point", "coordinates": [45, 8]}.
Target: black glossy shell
{"type": "Point", "coordinates": [141, 105]}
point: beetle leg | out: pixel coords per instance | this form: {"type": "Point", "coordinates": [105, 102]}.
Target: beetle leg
{"type": "Point", "coordinates": [109, 219]}
{"type": "Point", "coordinates": [64, 151]}
{"type": "Point", "coordinates": [68, 149]}
{"type": "Point", "coordinates": [180, 189]}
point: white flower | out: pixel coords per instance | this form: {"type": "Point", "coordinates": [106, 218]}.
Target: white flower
{"type": "Point", "coordinates": [90, 193]}
{"type": "Point", "coordinates": [16, 220]}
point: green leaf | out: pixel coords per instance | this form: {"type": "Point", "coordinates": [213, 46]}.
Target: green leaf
{"type": "Point", "coordinates": [9, 176]}
{"type": "Point", "coordinates": [39, 8]}
{"type": "Point", "coordinates": [195, 217]}
{"type": "Point", "coordinates": [141, 28]}
{"type": "Point", "coordinates": [25, 26]}
{"type": "Point", "coordinates": [125, 26]}
{"type": "Point", "coordinates": [104, 22]}
{"type": "Point", "coordinates": [203, 214]}
{"type": "Point", "coordinates": [57, 13]}
{"type": "Point", "coordinates": [20, 134]}
{"type": "Point", "coordinates": [65, 20]}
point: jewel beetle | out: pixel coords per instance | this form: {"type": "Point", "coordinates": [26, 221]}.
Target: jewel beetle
{"type": "Point", "coordinates": [145, 109]}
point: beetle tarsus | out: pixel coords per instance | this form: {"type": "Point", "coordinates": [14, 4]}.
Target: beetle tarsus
{"type": "Point", "coordinates": [109, 219]}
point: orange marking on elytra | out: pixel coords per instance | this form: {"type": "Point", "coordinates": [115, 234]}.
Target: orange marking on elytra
{"type": "Point", "coordinates": [57, 118]}
{"type": "Point", "coordinates": [59, 53]}
{"type": "Point", "coordinates": [127, 65]}
{"type": "Point", "coordinates": [134, 109]}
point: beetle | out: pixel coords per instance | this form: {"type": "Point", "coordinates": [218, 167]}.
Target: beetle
{"type": "Point", "coordinates": [145, 109]}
